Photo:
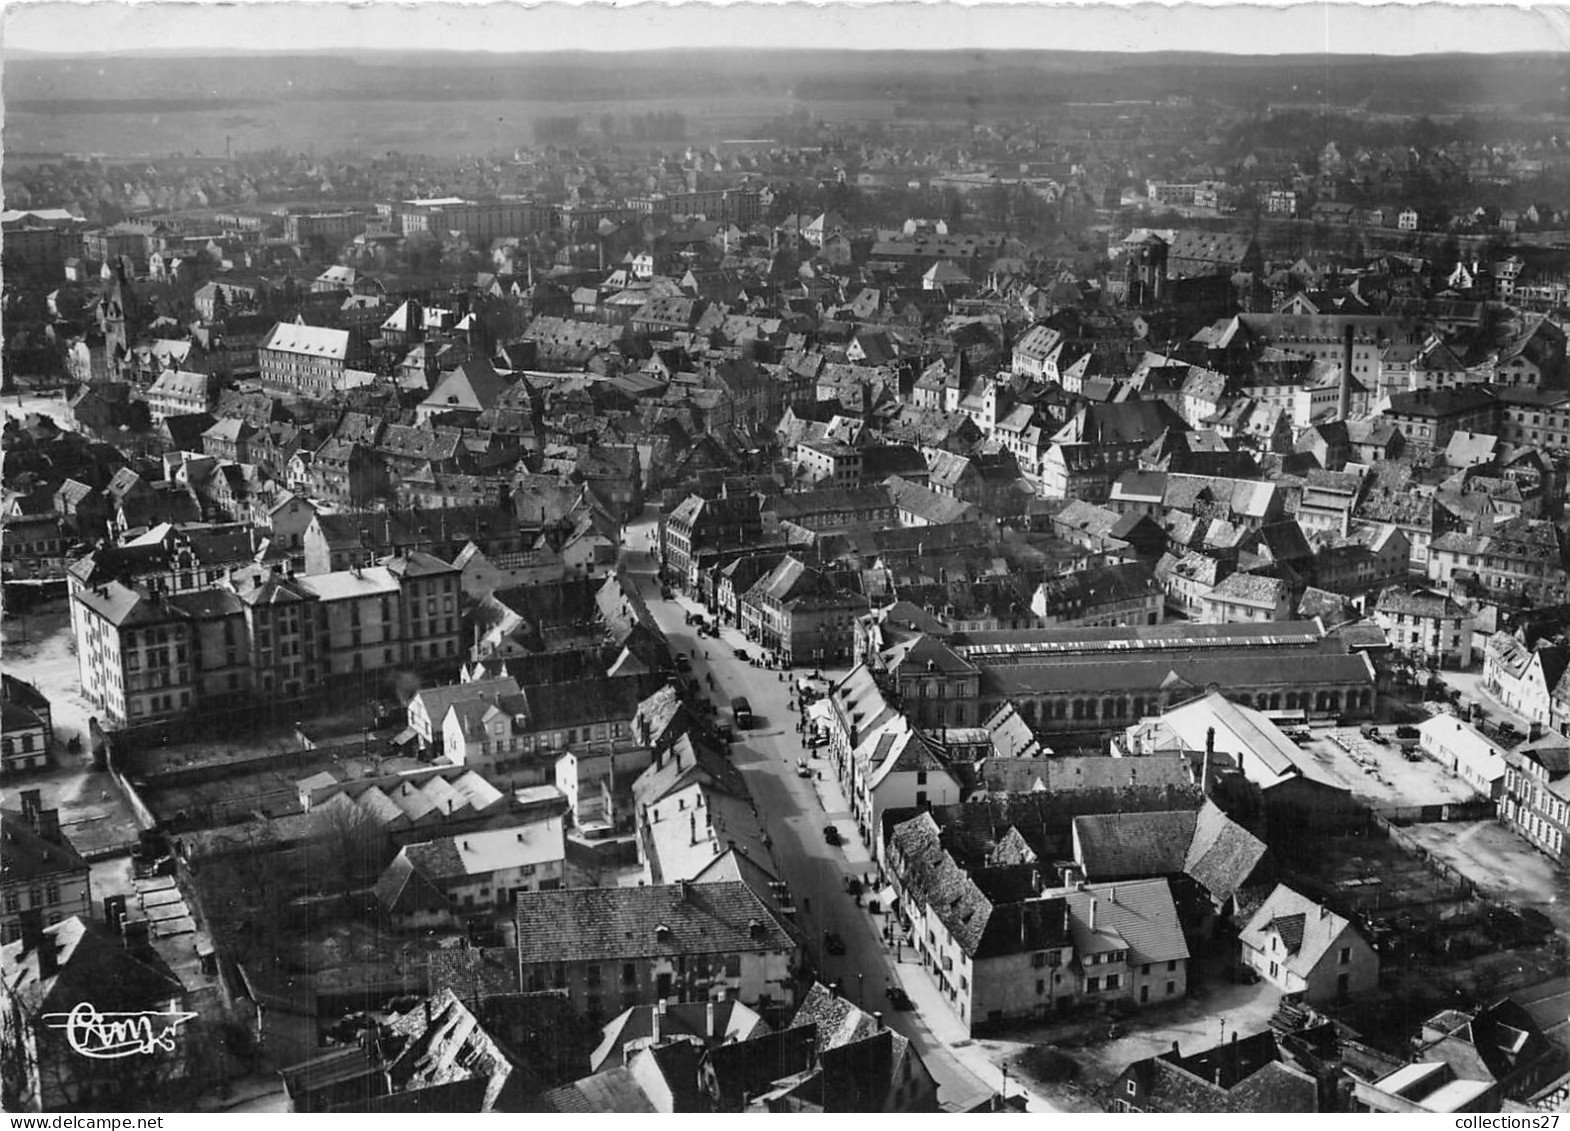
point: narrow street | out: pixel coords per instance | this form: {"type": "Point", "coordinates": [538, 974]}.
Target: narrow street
{"type": "Point", "coordinates": [796, 810]}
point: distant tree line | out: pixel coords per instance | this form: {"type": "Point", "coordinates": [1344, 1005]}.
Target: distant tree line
{"type": "Point", "coordinates": [562, 130]}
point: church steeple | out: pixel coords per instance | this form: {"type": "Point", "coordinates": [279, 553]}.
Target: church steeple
{"type": "Point", "coordinates": [117, 313]}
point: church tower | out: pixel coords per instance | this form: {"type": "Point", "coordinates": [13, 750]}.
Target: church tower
{"type": "Point", "coordinates": [117, 319]}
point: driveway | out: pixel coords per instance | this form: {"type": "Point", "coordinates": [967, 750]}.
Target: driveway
{"type": "Point", "coordinates": [795, 812]}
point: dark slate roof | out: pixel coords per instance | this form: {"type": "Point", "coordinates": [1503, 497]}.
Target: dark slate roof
{"type": "Point", "coordinates": [27, 856]}
{"type": "Point", "coordinates": [1290, 928]}
{"type": "Point", "coordinates": [1242, 1075]}
{"type": "Point", "coordinates": [1119, 846]}
{"type": "Point", "coordinates": [93, 965]}
{"type": "Point", "coordinates": [622, 923]}
{"type": "Point", "coordinates": [749, 1067]}
{"type": "Point", "coordinates": [474, 972]}
{"type": "Point", "coordinates": [1223, 856]}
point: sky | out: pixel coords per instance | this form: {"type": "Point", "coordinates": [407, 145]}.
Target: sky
{"type": "Point", "coordinates": [1396, 28]}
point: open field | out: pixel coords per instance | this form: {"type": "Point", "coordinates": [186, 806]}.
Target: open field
{"type": "Point", "coordinates": [436, 129]}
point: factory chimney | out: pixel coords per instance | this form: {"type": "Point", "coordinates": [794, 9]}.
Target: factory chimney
{"type": "Point", "coordinates": [1344, 399]}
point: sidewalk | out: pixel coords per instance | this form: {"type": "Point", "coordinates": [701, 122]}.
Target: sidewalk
{"type": "Point", "coordinates": [946, 1028]}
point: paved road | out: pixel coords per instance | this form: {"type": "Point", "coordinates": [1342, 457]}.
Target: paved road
{"type": "Point", "coordinates": [795, 813]}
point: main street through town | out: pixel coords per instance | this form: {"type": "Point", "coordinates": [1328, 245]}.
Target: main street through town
{"type": "Point", "coordinates": [796, 811]}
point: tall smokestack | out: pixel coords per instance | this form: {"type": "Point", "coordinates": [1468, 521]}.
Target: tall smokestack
{"type": "Point", "coordinates": [1204, 772]}
{"type": "Point", "coordinates": [1344, 400]}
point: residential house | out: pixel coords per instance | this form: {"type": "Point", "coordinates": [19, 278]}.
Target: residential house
{"type": "Point", "coordinates": [1536, 798]}
{"type": "Point", "coordinates": [41, 872]}
{"type": "Point", "coordinates": [1243, 1075]}
{"type": "Point", "coordinates": [1247, 597]}
{"type": "Point", "coordinates": [800, 613]}
{"type": "Point", "coordinates": [609, 949]}
{"type": "Point", "coordinates": [312, 361]}
{"type": "Point", "coordinates": [692, 806]}
{"type": "Point", "coordinates": [1462, 749]}
{"type": "Point", "coordinates": [832, 1058]}
{"type": "Point", "coordinates": [474, 875]}
{"type": "Point", "coordinates": [1525, 679]}
{"type": "Point", "coordinates": [1126, 593]}
{"type": "Point", "coordinates": [48, 972]}
{"type": "Point", "coordinates": [1306, 949]}
{"type": "Point", "coordinates": [1428, 625]}
{"type": "Point", "coordinates": [26, 726]}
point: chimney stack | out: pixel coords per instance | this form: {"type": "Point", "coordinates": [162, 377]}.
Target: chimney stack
{"type": "Point", "coordinates": [654, 1022]}
{"type": "Point", "coordinates": [1204, 771]}
{"type": "Point", "coordinates": [46, 823]}
{"type": "Point", "coordinates": [1092, 913]}
{"type": "Point", "coordinates": [138, 935]}
{"type": "Point", "coordinates": [708, 1020]}
{"type": "Point", "coordinates": [1344, 399]}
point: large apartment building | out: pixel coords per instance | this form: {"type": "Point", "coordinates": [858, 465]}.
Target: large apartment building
{"type": "Point", "coordinates": [148, 656]}
{"type": "Point", "coordinates": [312, 361]}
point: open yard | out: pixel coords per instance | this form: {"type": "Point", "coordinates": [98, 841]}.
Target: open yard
{"type": "Point", "coordinates": [1501, 864]}
{"type": "Point", "coordinates": [1380, 775]}
{"type": "Point", "coordinates": [1074, 1061]}
{"type": "Point", "coordinates": [37, 646]}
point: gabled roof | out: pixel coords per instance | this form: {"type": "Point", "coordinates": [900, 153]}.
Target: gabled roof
{"type": "Point", "coordinates": [626, 923]}
{"type": "Point", "coordinates": [93, 965]}
{"type": "Point", "coordinates": [26, 856]}
{"type": "Point", "coordinates": [1140, 917]}
{"type": "Point", "coordinates": [1307, 929]}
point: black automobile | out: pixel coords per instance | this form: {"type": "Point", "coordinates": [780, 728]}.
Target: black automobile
{"type": "Point", "coordinates": [832, 943]}
{"type": "Point", "coordinates": [831, 835]}
{"type": "Point", "coordinates": [899, 999]}
{"type": "Point", "coordinates": [683, 663]}
{"type": "Point", "coordinates": [742, 655]}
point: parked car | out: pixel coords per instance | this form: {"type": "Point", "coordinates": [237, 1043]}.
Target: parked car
{"type": "Point", "coordinates": [802, 769]}
{"type": "Point", "coordinates": [833, 943]}
{"type": "Point", "coordinates": [1408, 734]}
{"type": "Point", "coordinates": [832, 835]}
{"type": "Point", "coordinates": [726, 732]}
{"type": "Point", "coordinates": [683, 663]}
{"type": "Point", "coordinates": [899, 999]}
{"type": "Point", "coordinates": [742, 655]}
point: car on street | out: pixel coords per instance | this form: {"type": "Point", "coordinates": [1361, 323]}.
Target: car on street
{"type": "Point", "coordinates": [726, 732]}
{"type": "Point", "coordinates": [817, 740]}
{"type": "Point", "coordinates": [899, 999]}
{"type": "Point", "coordinates": [742, 655]}
{"type": "Point", "coordinates": [833, 943]}
{"type": "Point", "coordinates": [831, 835]}
{"type": "Point", "coordinates": [683, 663]}
{"type": "Point", "coordinates": [802, 769]}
